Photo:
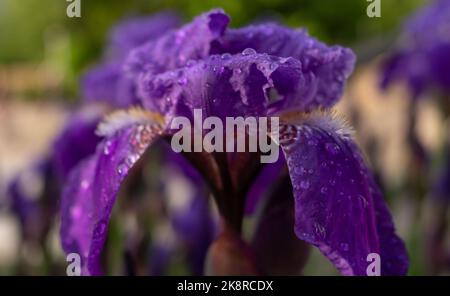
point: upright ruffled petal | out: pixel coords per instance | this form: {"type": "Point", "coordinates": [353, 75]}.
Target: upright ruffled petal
{"type": "Point", "coordinates": [175, 49]}
{"type": "Point", "coordinates": [224, 86]}
{"type": "Point", "coordinates": [93, 186]}
{"type": "Point", "coordinates": [338, 207]}
{"type": "Point", "coordinates": [329, 65]}
{"type": "Point", "coordinates": [108, 82]}
{"type": "Point", "coordinates": [133, 32]}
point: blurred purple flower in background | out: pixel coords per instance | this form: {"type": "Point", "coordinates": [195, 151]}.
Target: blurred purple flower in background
{"type": "Point", "coordinates": [327, 194]}
{"type": "Point", "coordinates": [423, 60]}
{"type": "Point", "coordinates": [423, 63]}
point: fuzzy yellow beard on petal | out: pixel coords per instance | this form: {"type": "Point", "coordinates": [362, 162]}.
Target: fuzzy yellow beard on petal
{"type": "Point", "coordinates": [328, 120]}
{"type": "Point", "coordinates": [122, 118]}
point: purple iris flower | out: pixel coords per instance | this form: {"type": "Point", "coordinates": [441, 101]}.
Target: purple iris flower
{"type": "Point", "coordinates": [260, 71]}
{"type": "Point", "coordinates": [423, 60]}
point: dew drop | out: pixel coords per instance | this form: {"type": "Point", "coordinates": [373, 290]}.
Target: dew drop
{"type": "Point", "coordinates": [225, 56]}
{"type": "Point", "coordinates": [190, 63]}
{"type": "Point", "coordinates": [84, 184]}
{"type": "Point", "coordinates": [344, 247]}
{"type": "Point", "coordinates": [332, 148]}
{"type": "Point", "coordinates": [121, 169]}
{"type": "Point", "coordinates": [324, 190]}
{"type": "Point", "coordinates": [76, 212]}
{"type": "Point", "coordinates": [248, 51]}
{"type": "Point", "coordinates": [132, 159]}
{"type": "Point", "coordinates": [182, 81]}
{"type": "Point", "coordinates": [311, 143]}
{"type": "Point", "coordinates": [107, 148]}
{"type": "Point", "coordinates": [304, 184]}
{"type": "Point", "coordinates": [101, 228]}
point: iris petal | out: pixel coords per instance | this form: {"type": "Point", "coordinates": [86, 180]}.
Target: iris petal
{"type": "Point", "coordinates": [108, 82]}
{"type": "Point", "coordinates": [92, 189]}
{"type": "Point", "coordinates": [223, 86]}
{"type": "Point", "coordinates": [77, 140]}
{"type": "Point", "coordinates": [277, 249]}
{"type": "Point", "coordinates": [176, 48]}
{"type": "Point", "coordinates": [330, 65]}
{"type": "Point", "coordinates": [134, 32]}
{"type": "Point", "coordinates": [338, 207]}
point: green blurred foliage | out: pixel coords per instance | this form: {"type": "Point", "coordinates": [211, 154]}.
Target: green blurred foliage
{"type": "Point", "coordinates": [39, 30]}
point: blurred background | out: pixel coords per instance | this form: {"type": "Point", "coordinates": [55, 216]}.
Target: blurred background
{"type": "Point", "coordinates": [43, 53]}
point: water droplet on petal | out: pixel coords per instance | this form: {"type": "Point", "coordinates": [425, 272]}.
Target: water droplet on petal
{"type": "Point", "coordinates": [76, 212]}
{"type": "Point", "coordinates": [190, 63]}
{"type": "Point", "coordinates": [121, 169]}
{"type": "Point", "coordinates": [182, 81]}
{"type": "Point", "coordinates": [248, 51]}
{"type": "Point", "coordinates": [84, 184]}
{"type": "Point", "coordinates": [101, 228]}
{"type": "Point", "coordinates": [225, 56]}
{"type": "Point", "coordinates": [344, 247]}
{"type": "Point", "coordinates": [304, 184]}
{"type": "Point", "coordinates": [332, 148]}
{"type": "Point", "coordinates": [107, 148]}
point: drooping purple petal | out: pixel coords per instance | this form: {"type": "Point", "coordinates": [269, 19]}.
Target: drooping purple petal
{"type": "Point", "coordinates": [160, 255]}
{"type": "Point", "coordinates": [93, 186]}
{"type": "Point", "coordinates": [277, 249]}
{"type": "Point", "coordinates": [338, 207]}
{"type": "Point", "coordinates": [196, 228]}
{"type": "Point", "coordinates": [330, 66]}
{"type": "Point", "coordinates": [176, 48]}
{"type": "Point", "coordinates": [76, 141]}
{"type": "Point", "coordinates": [189, 209]}
{"type": "Point", "coordinates": [32, 195]}
{"type": "Point", "coordinates": [262, 184]}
